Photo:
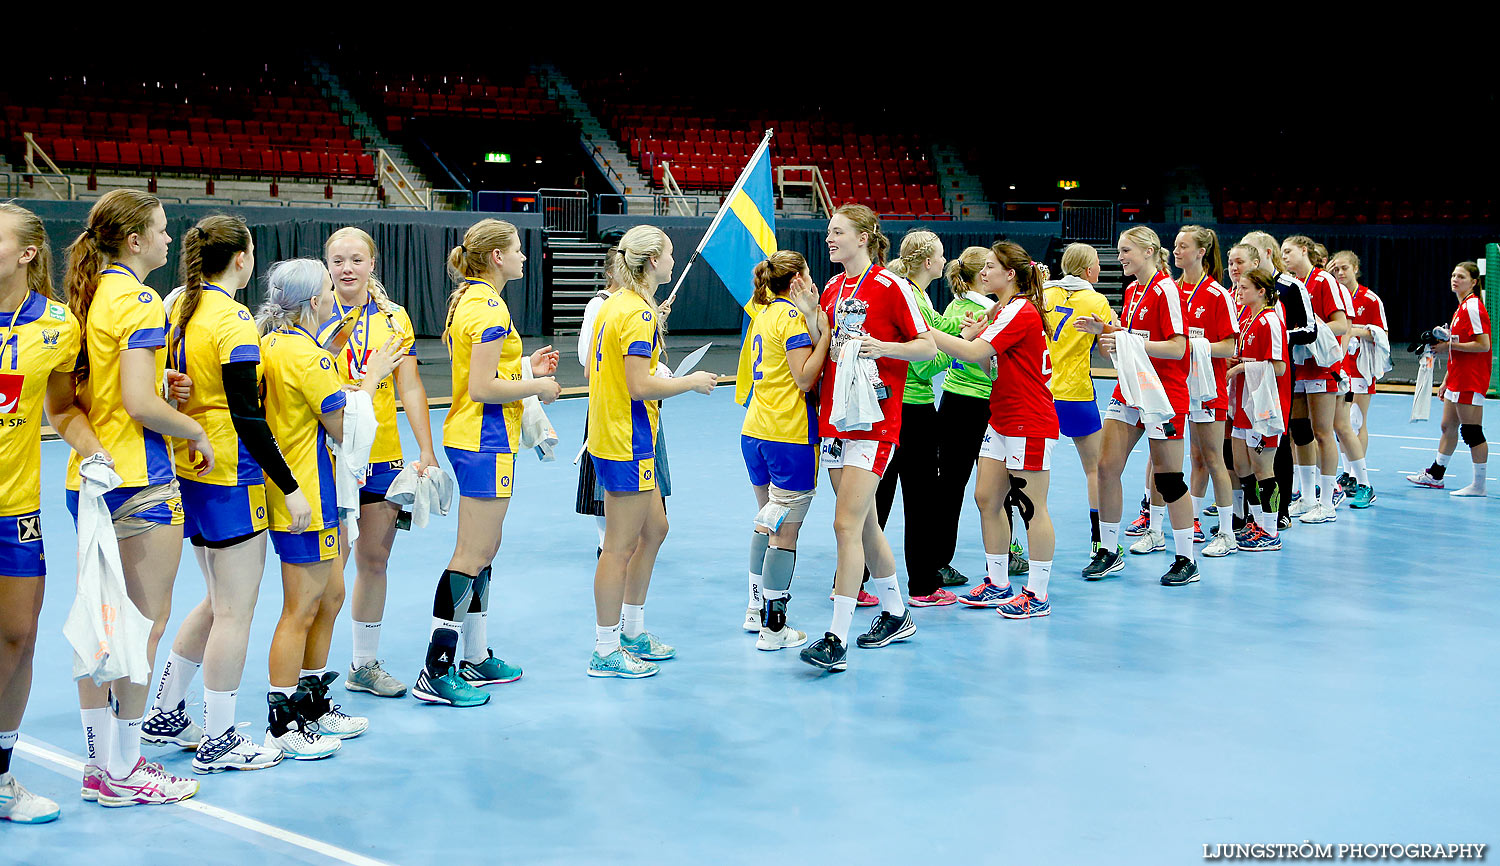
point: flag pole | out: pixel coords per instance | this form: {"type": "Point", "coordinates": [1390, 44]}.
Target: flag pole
{"type": "Point", "coordinates": [765, 142]}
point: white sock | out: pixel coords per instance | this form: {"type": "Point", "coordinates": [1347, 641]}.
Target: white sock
{"type": "Point", "coordinates": [1182, 539]}
{"type": "Point", "coordinates": [1269, 522]}
{"type": "Point", "coordinates": [476, 637]}
{"type": "Point", "coordinates": [1479, 470]}
{"type": "Point", "coordinates": [1239, 502]}
{"type": "Point", "coordinates": [633, 619]}
{"type": "Point", "coordinates": [366, 641]}
{"type": "Point", "coordinates": [1325, 490]}
{"type": "Point", "coordinates": [997, 566]}
{"type": "Point", "coordinates": [176, 677]}
{"type": "Point", "coordinates": [1442, 459]}
{"type": "Point", "coordinates": [606, 639]}
{"type": "Point", "coordinates": [124, 746]}
{"type": "Point", "coordinates": [1307, 480]}
{"type": "Point", "coordinates": [843, 617]}
{"type": "Point", "coordinates": [1361, 474]}
{"type": "Point", "coordinates": [889, 594]}
{"type": "Point", "coordinates": [1258, 514]}
{"type": "Point", "coordinates": [96, 730]}
{"type": "Point", "coordinates": [1198, 506]}
{"type": "Point", "coordinates": [316, 674]}
{"type": "Point", "coordinates": [1036, 579]}
{"type": "Point", "coordinates": [599, 525]}
{"type": "Point", "coordinates": [1158, 517]}
{"type": "Point", "coordinates": [755, 592]}
{"type": "Point", "coordinates": [218, 712]}
{"type": "Point", "coordinates": [284, 690]}
{"type": "Point", "coordinates": [1109, 536]}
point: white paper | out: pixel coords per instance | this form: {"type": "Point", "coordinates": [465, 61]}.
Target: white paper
{"type": "Point", "coordinates": [690, 361]}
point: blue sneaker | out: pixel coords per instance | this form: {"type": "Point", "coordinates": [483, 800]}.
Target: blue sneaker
{"type": "Point", "coordinates": [987, 595]}
{"type": "Point", "coordinates": [1198, 536]}
{"type": "Point", "coordinates": [490, 672]}
{"type": "Point", "coordinates": [1025, 606]}
{"type": "Point", "coordinates": [1260, 542]}
{"type": "Point", "coordinates": [450, 689]}
{"type": "Point", "coordinates": [647, 646]}
{"type": "Point", "coordinates": [1211, 511]}
{"type": "Point", "coordinates": [1364, 496]}
{"type": "Point", "coordinates": [1338, 495]}
{"type": "Point", "coordinates": [621, 664]}
{"type": "Point", "coordinates": [1243, 535]}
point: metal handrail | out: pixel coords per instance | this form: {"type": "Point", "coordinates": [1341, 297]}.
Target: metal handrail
{"type": "Point", "coordinates": [408, 190]}
{"type": "Point", "coordinates": [660, 205]}
{"type": "Point", "coordinates": [597, 154]}
{"type": "Point", "coordinates": [815, 183]}
{"type": "Point", "coordinates": [32, 148]}
{"type": "Point", "coordinates": [675, 196]}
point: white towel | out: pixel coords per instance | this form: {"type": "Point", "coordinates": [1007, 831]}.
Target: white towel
{"type": "Point", "coordinates": [1263, 399]}
{"type": "Point", "coordinates": [1139, 384]}
{"type": "Point", "coordinates": [1325, 350]}
{"type": "Point", "coordinates": [1201, 385]}
{"type": "Point", "coordinates": [536, 428]}
{"type": "Point", "coordinates": [855, 406]}
{"type": "Point", "coordinates": [423, 494]}
{"type": "Point", "coordinates": [108, 634]}
{"type": "Point", "coordinates": [1421, 395]}
{"type": "Point", "coordinates": [1374, 358]}
{"type": "Point", "coordinates": [351, 465]}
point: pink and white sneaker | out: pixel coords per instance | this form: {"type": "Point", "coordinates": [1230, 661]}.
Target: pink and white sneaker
{"type": "Point", "coordinates": [93, 777]}
{"type": "Point", "coordinates": [148, 784]}
{"type": "Point", "coordinates": [864, 599]}
{"type": "Point", "coordinates": [939, 598]}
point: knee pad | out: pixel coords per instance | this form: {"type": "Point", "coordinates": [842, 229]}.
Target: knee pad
{"type": "Point", "coordinates": [1171, 486]}
{"type": "Point", "coordinates": [1301, 430]}
{"type": "Point", "coordinates": [1251, 488]}
{"type": "Point", "coordinates": [452, 596]}
{"type": "Point", "coordinates": [784, 505]}
{"type": "Point", "coordinates": [1472, 434]}
{"type": "Point", "coordinates": [1270, 498]}
{"type": "Point", "coordinates": [479, 601]}
{"type": "Point", "coordinates": [778, 569]}
{"type": "Point", "coordinates": [1018, 500]}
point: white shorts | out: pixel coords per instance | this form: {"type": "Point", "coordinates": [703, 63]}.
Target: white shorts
{"type": "Point", "coordinates": [1320, 386]}
{"type": "Point", "coordinates": [1361, 386]}
{"type": "Point", "coordinates": [1464, 398]}
{"type": "Point", "coordinates": [1255, 440]}
{"type": "Point", "coordinates": [1018, 453]}
{"type": "Point", "coordinates": [1207, 416]}
{"type": "Point", "coordinates": [868, 454]}
{"type": "Point", "coordinates": [1119, 411]}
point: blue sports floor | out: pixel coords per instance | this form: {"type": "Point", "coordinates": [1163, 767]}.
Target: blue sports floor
{"type": "Point", "coordinates": [1343, 690]}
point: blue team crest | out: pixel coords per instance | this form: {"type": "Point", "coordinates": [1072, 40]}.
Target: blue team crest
{"type": "Point", "coordinates": [144, 297]}
{"type": "Point", "coordinates": [325, 364]}
{"type": "Point", "coordinates": [645, 315]}
{"type": "Point", "coordinates": [50, 336]}
{"type": "Point", "coordinates": [244, 315]}
{"type": "Point", "coordinates": [791, 314]}
{"type": "Point", "coordinates": [492, 302]}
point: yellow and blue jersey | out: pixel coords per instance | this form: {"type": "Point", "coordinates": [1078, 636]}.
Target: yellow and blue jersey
{"type": "Point", "coordinates": [124, 315]}
{"type": "Point", "coordinates": [40, 338]}
{"type": "Point", "coordinates": [220, 332]}
{"type": "Point", "coordinates": [372, 330]}
{"type": "Point", "coordinates": [1070, 347]}
{"type": "Point", "coordinates": [621, 428]}
{"type": "Point", "coordinates": [779, 411]}
{"type": "Point", "coordinates": [301, 383]}
{"type": "Point", "coordinates": [482, 317]}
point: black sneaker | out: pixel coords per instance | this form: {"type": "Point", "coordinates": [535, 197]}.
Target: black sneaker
{"type": "Point", "coordinates": [951, 577]}
{"type": "Point", "coordinates": [1104, 563]}
{"type": "Point", "coordinates": [885, 629]}
{"type": "Point", "coordinates": [171, 728]}
{"type": "Point", "coordinates": [1183, 572]}
{"type": "Point", "coordinates": [1283, 523]}
{"type": "Point", "coordinates": [827, 652]}
{"type": "Point", "coordinates": [1348, 482]}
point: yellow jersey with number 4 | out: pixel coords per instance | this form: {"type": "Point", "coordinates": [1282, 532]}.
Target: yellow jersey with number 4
{"type": "Point", "coordinates": [621, 428]}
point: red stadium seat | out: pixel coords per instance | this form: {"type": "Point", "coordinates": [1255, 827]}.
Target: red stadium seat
{"type": "Point", "coordinates": [107, 153]}
{"type": "Point", "coordinates": [366, 165]}
{"type": "Point", "coordinates": [192, 156]}
{"type": "Point", "coordinates": [84, 152]}
{"type": "Point", "coordinates": [130, 154]}
{"type": "Point", "coordinates": [62, 150]}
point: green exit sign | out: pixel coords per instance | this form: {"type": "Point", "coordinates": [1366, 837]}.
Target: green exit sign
{"type": "Point", "coordinates": [497, 157]}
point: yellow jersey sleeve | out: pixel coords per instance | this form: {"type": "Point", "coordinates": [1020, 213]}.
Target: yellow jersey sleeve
{"type": "Point", "coordinates": [637, 334]}
{"type": "Point", "coordinates": [140, 321]}
{"type": "Point", "coordinates": [237, 340]}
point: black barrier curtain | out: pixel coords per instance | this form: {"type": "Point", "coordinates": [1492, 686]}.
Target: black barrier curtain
{"type": "Point", "coordinates": [412, 261]}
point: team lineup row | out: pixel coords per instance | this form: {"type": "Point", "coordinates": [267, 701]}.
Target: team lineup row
{"type": "Point", "coordinates": [842, 379]}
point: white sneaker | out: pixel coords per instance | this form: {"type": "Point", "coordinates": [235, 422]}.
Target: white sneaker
{"type": "Point", "coordinates": [752, 619]}
{"type": "Point", "coordinates": [1150, 542]}
{"type": "Point", "coordinates": [233, 751]}
{"type": "Point", "coordinates": [1319, 513]}
{"type": "Point", "coordinates": [93, 777]}
{"type": "Point", "coordinates": [1220, 545]}
{"type": "Point", "coordinates": [1302, 506]}
{"type": "Point", "coordinates": [303, 745]}
{"type": "Point", "coordinates": [146, 785]}
{"type": "Point", "coordinates": [788, 637]}
{"type": "Point", "coordinates": [344, 727]}
{"type": "Point", "coordinates": [23, 807]}
{"type": "Point", "coordinates": [1471, 490]}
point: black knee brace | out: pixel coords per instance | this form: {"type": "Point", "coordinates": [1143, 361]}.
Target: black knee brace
{"type": "Point", "coordinates": [1017, 499]}
{"type": "Point", "coordinates": [1302, 431]}
{"type": "Point", "coordinates": [1270, 498]}
{"type": "Point", "coordinates": [452, 596]}
{"type": "Point", "coordinates": [1251, 488]}
{"type": "Point", "coordinates": [1472, 434]}
{"type": "Point", "coordinates": [480, 601]}
{"type": "Point", "coordinates": [1171, 486]}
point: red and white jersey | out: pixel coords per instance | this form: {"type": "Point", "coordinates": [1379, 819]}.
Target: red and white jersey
{"type": "Point", "coordinates": [1263, 338]}
{"type": "Point", "coordinates": [1365, 309]}
{"type": "Point", "coordinates": [874, 303]}
{"type": "Point", "coordinates": [1154, 311]}
{"type": "Point", "coordinates": [1021, 399]}
{"type": "Point", "coordinates": [1210, 313]}
{"type": "Point", "coordinates": [1328, 297]}
{"type": "Point", "coordinates": [1469, 371]}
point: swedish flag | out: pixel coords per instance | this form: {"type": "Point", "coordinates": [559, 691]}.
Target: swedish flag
{"type": "Point", "coordinates": [742, 236]}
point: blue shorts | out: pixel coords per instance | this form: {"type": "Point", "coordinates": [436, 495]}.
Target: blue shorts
{"type": "Point", "coordinates": [21, 546]}
{"type": "Point", "coordinates": [301, 548]}
{"type": "Point", "coordinates": [215, 512]}
{"type": "Point", "coordinates": [378, 482]}
{"type": "Point", "coordinates": [625, 476]}
{"type": "Point", "coordinates": [167, 513]}
{"type": "Point", "coordinates": [1077, 418]}
{"type": "Point", "coordinates": [482, 474]}
{"type": "Point", "coordinates": [790, 466]}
